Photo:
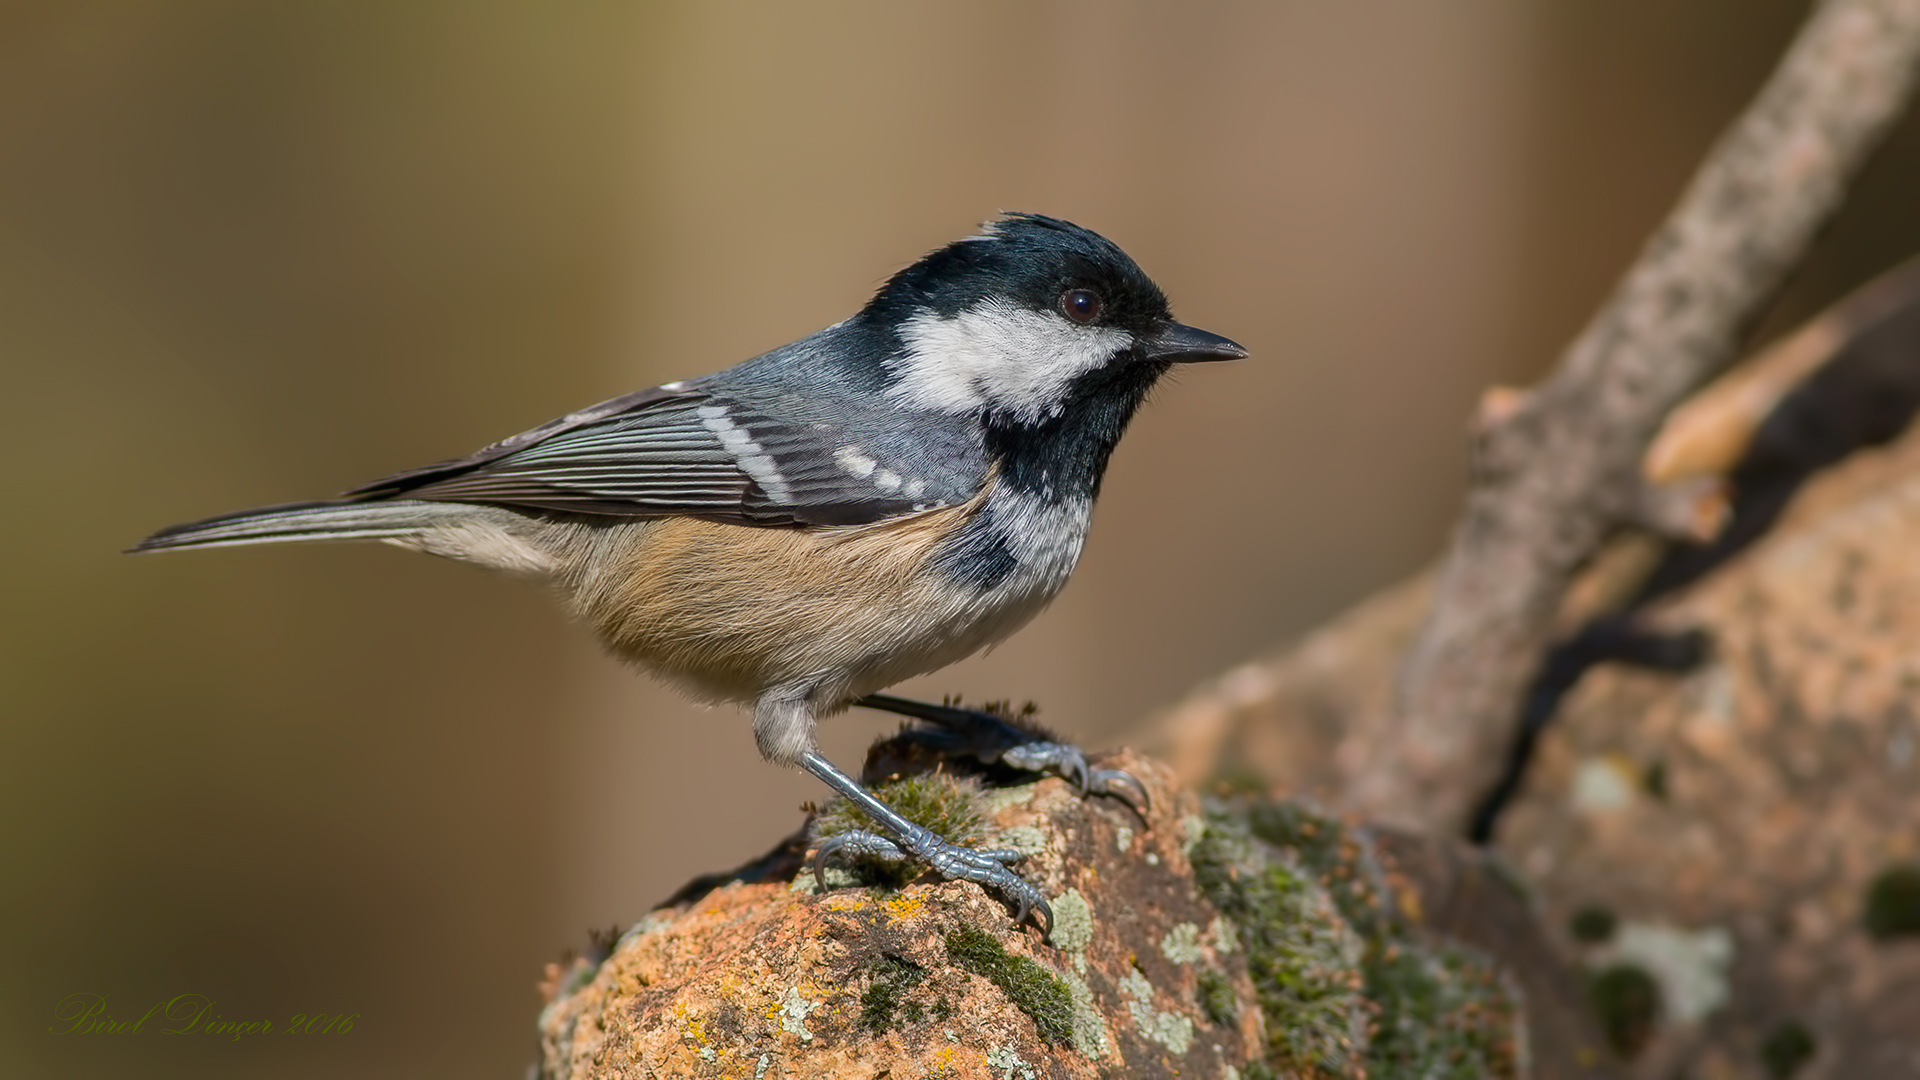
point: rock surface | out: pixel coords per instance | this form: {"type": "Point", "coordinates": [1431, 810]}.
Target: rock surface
{"type": "Point", "coordinates": [1731, 855]}
{"type": "Point", "coordinates": [1731, 824]}
{"type": "Point", "coordinates": [1241, 939]}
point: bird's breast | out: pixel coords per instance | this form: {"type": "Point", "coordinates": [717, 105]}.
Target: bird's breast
{"type": "Point", "coordinates": [732, 611]}
{"type": "Point", "coordinates": [1020, 543]}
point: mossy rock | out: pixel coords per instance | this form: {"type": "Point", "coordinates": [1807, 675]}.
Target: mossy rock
{"type": "Point", "coordinates": [1893, 902]}
{"type": "Point", "coordinates": [1348, 985]}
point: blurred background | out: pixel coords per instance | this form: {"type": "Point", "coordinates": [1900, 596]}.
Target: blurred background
{"type": "Point", "coordinates": [261, 252]}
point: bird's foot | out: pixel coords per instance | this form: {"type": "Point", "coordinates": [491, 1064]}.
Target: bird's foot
{"type": "Point", "coordinates": [998, 740]}
{"type": "Point", "coordinates": [1070, 764]}
{"type": "Point", "coordinates": [951, 861]}
{"type": "Point", "coordinates": [895, 840]}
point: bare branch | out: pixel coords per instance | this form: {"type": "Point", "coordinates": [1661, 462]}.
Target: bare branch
{"type": "Point", "coordinates": [1556, 470]}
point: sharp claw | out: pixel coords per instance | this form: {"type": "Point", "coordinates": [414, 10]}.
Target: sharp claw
{"type": "Point", "coordinates": [867, 843]}
{"type": "Point", "coordinates": [820, 864]}
{"type": "Point", "coordinates": [1033, 907]}
{"type": "Point", "coordinates": [823, 855]}
{"type": "Point", "coordinates": [1114, 782]}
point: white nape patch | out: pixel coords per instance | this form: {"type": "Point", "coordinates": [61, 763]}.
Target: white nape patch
{"type": "Point", "coordinates": [1000, 355]}
{"type": "Point", "coordinates": [855, 462]}
{"type": "Point", "coordinates": [749, 455]}
{"type": "Point", "coordinates": [886, 480]}
{"type": "Point", "coordinates": [915, 489]}
{"type": "Point", "coordinates": [989, 230]}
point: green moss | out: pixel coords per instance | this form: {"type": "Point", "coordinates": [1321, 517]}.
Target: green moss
{"type": "Point", "coordinates": [1656, 779]}
{"type": "Point", "coordinates": [883, 1005]}
{"type": "Point", "coordinates": [1237, 781]}
{"type": "Point", "coordinates": [1034, 990]}
{"type": "Point", "coordinates": [1327, 849]}
{"type": "Point", "coordinates": [1787, 1047]}
{"type": "Point", "coordinates": [1628, 1001]}
{"type": "Point", "coordinates": [1893, 902]}
{"type": "Point", "coordinates": [935, 801]}
{"type": "Point", "coordinates": [1218, 1000]}
{"type": "Point", "coordinates": [1347, 988]}
{"type": "Point", "coordinates": [1592, 925]}
{"type": "Point", "coordinates": [1300, 955]}
{"type": "Point", "coordinates": [1442, 1012]}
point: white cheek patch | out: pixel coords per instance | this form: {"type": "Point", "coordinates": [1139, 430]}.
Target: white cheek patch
{"type": "Point", "coordinates": [999, 355]}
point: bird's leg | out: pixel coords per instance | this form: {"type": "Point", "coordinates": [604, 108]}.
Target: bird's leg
{"type": "Point", "coordinates": [907, 840]}
{"type": "Point", "coordinates": [993, 740]}
{"type": "Point", "coordinates": [783, 729]}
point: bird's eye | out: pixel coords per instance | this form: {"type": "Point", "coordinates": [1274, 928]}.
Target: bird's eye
{"type": "Point", "coordinates": [1080, 305]}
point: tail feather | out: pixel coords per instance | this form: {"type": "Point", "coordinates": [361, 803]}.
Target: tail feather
{"type": "Point", "coordinates": [297, 522]}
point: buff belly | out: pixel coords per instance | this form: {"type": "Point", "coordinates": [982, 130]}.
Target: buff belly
{"type": "Point", "coordinates": [732, 612]}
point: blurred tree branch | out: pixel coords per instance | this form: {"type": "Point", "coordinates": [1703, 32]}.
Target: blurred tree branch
{"type": "Point", "coordinates": [1556, 468]}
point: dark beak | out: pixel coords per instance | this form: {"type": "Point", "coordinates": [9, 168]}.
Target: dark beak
{"type": "Point", "coordinates": [1177, 343]}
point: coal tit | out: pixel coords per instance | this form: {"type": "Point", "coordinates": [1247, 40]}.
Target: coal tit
{"type": "Point", "coordinates": [797, 532]}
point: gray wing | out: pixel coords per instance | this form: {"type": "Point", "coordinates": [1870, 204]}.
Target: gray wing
{"type": "Point", "coordinates": [680, 450]}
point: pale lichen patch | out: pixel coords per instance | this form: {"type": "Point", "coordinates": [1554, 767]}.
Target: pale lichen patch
{"type": "Point", "coordinates": [653, 920]}
{"type": "Point", "coordinates": [1192, 828]}
{"type": "Point", "coordinates": [1690, 965]}
{"type": "Point", "coordinates": [1008, 1059]}
{"type": "Point", "coordinates": [1072, 921]}
{"type": "Point", "coordinates": [1603, 785]}
{"type": "Point", "coordinates": [1024, 839]}
{"type": "Point", "coordinates": [1169, 1029]}
{"type": "Point", "coordinates": [995, 800]}
{"type": "Point", "coordinates": [1225, 938]}
{"type": "Point", "coordinates": [793, 1014]}
{"type": "Point", "coordinates": [1181, 945]}
{"type": "Point", "coordinates": [1089, 1029]}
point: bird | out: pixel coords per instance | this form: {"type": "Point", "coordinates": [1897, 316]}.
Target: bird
{"type": "Point", "coordinates": [800, 531]}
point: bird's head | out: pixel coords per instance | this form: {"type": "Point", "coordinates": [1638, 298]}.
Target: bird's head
{"type": "Point", "coordinates": [1024, 319]}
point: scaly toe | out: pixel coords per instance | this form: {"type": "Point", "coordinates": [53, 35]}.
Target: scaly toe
{"type": "Point", "coordinates": [856, 843]}
{"type": "Point", "coordinates": [1066, 762]}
